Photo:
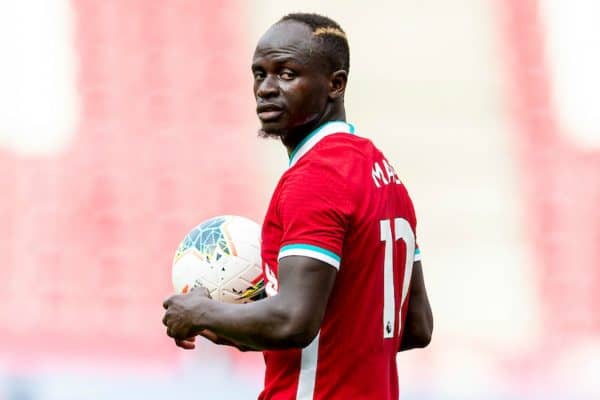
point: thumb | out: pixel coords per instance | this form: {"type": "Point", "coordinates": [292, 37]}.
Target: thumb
{"type": "Point", "coordinates": [187, 344]}
{"type": "Point", "coordinates": [210, 335]}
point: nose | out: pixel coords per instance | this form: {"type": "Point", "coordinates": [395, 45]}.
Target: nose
{"type": "Point", "coordinates": [267, 88]}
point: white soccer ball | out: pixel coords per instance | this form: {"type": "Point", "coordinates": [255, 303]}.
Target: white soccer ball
{"type": "Point", "coordinates": [222, 254]}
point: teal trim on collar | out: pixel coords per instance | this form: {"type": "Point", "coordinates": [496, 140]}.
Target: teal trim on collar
{"type": "Point", "coordinates": [326, 129]}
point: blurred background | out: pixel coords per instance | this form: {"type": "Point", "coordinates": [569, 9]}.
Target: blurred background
{"type": "Point", "coordinates": [124, 123]}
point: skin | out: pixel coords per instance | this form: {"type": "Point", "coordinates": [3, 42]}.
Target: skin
{"type": "Point", "coordinates": [289, 74]}
{"type": "Point", "coordinates": [290, 319]}
{"type": "Point", "coordinates": [295, 92]}
{"type": "Point", "coordinates": [418, 326]}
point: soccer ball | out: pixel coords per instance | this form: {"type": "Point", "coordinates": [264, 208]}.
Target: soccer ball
{"type": "Point", "coordinates": [223, 255]}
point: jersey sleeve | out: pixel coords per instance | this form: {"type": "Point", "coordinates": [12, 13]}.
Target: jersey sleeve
{"type": "Point", "coordinates": [315, 209]}
{"type": "Point", "coordinates": [417, 255]}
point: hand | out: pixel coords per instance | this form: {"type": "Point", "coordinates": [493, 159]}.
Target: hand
{"type": "Point", "coordinates": [182, 315]}
{"type": "Point", "coordinates": [213, 337]}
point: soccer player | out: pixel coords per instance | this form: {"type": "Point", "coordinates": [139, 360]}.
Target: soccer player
{"type": "Point", "coordinates": [341, 265]}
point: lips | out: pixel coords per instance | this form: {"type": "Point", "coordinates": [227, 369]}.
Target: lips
{"type": "Point", "coordinates": [269, 112]}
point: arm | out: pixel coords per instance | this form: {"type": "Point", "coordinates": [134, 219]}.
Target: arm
{"type": "Point", "coordinates": [292, 318]}
{"type": "Point", "coordinates": [190, 343]}
{"type": "Point", "coordinates": [419, 318]}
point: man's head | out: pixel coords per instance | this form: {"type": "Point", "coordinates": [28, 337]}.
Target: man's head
{"type": "Point", "coordinates": [300, 69]}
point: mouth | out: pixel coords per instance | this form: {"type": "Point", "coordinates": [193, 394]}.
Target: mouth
{"type": "Point", "coordinates": [269, 112]}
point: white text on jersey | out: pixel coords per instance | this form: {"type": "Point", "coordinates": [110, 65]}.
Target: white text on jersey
{"type": "Point", "coordinates": [272, 285]}
{"type": "Point", "coordinates": [386, 177]}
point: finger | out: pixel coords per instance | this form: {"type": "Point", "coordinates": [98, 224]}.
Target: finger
{"type": "Point", "coordinates": [172, 332]}
{"type": "Point", "coordinates": [178, 332]}
{"type": "Point", "coordinates": [216, 339]}
{"type": "Point", "coordinates": [198, 288]}
{"type": "Point", "coordinates": [167, 302]}
{"type": "Point", "coordinates": [210, 336]}
{"type": "Point", "coordinates": [186, 344]}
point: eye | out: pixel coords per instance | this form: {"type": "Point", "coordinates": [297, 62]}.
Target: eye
{"type": "Point", "coordinates": [287, 75]}
{"type": "Point", "coordinates": [258, 75]}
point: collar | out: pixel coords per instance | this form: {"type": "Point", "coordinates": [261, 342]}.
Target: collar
{"type": "Point", "coordinates": [328, 128]}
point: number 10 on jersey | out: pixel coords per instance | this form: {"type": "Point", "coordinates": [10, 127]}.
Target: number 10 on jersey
{"type": "Point", "coordinates": [404, 232]}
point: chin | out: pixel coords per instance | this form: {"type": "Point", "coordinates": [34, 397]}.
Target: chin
{"type": "Point", "coordinates": [272, 130]}
{"type": "Point", "coordinates": [267, 135]}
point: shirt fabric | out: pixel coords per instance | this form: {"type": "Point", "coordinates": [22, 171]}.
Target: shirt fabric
{"type": "Point", "coordinates": [341, 202]}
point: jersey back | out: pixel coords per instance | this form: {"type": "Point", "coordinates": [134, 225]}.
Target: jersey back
{"type": "Point", "coordinates": [342, 202]}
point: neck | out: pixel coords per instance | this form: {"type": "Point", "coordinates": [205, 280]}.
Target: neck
{"type": "Point", "coordinates": [295, 136]}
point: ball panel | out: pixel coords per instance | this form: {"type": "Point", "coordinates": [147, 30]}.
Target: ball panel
{"type": "Point", "coordinates": [188, 268]}
{"type": "Point", "coordinates": [223, 254]}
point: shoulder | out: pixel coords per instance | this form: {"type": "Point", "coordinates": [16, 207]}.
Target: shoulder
{"type": "Point", "coordinates": [343, 147]}
{"type": "Point", "coordinates": [337, 155]}
{"type": "Point", "coordinates": [333, 171]}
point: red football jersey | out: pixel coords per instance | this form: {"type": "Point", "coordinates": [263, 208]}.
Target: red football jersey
{"type": "Point", "coordinates": [341, 202]}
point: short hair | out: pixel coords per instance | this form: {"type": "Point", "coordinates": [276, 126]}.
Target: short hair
{"type": "Point", "coordinates": [331, 36]}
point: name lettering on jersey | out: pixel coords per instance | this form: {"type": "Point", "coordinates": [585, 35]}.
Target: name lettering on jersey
{"type": "Point", "coordinates": [272, 285]}
{"type": "Point", "coordinates": [385, 175]}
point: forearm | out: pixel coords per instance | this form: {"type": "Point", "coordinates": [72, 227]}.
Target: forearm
{"type": "Point", "coordinates": [418, 325]}
{"type": "Point", "coordinates": [418, 328]}
{"type": "Point", "coordinates": [260, 325]}
{"type": "Point", "coordinates": [416, 337]}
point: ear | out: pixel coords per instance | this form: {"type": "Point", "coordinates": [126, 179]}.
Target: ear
{"type": "Point", "coordinates": [337, 84]}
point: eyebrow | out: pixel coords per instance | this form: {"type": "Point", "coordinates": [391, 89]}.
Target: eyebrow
{"type": "Point", "coordinates": [282, 59]}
